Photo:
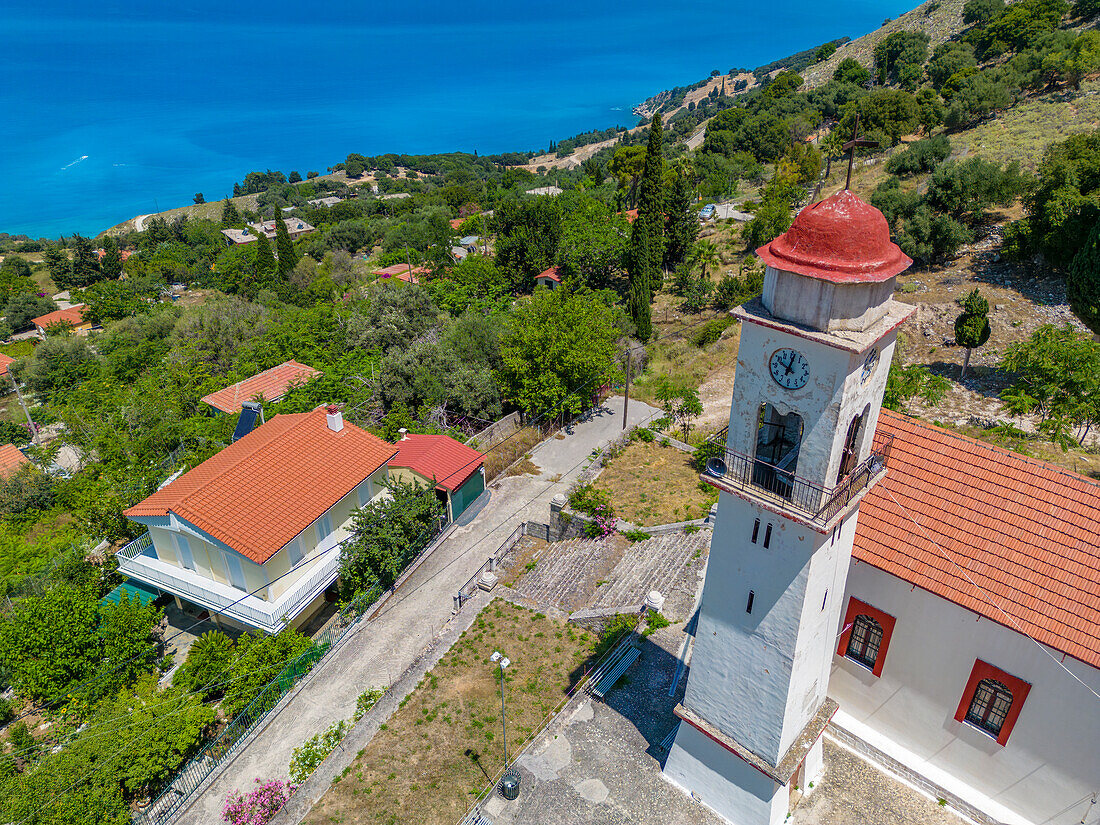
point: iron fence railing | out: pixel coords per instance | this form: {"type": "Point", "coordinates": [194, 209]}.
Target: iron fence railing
{"type": "Point", "coordinates": [466, 592]}
{"type": "Point", "coordinates": [194, 773]}
{"type": "Point", "coordinates": [810, 500]}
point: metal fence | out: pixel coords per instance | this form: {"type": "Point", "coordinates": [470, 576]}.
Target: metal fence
{"type": "Point", "coordinates": [191, 776]}
{"type": "Point", "coordinates": [466, 592]}
{"type": "Point", "coordinates": [808, 499]}
{"type": "Point", "coordinates": [177, 791]}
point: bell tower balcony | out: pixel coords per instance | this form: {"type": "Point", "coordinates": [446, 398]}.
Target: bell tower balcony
{"type": "Point", "coordinates": [786, 494]}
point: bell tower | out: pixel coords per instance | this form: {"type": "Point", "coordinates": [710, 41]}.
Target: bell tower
{"type": "Point", "coordinates": [796, 460]}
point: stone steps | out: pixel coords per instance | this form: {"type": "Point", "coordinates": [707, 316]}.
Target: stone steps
{"type": "Point", "coordinates": [559, 568]}
{"type": "Point", "coordinates": [653, 564]}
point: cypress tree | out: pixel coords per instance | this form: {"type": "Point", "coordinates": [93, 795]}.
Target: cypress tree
{"type": "Point", "coordinates": [285, 247]}
{"type": "Point", "coordinates": [647, 236]}
{"type": "Point", "coordinates": [265, 258]}
{"type": "Point", "coordinates": [111, 265]}
{"type": "Point", "coordinates": [230, 215]}
{"type": "Point", "coordinates": [681, 229]}
{"type": "Point", "coordinates": [639, 296]}
{"type": "Point", "coordinates": [1083, 282]}
{"type": "Point", "coordinates": [972, 326]}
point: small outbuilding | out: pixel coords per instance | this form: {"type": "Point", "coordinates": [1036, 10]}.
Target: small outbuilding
{"type": "Point", "coordinates": [455, 470]}
{"type": "Point", "coordinates": [549, 278]}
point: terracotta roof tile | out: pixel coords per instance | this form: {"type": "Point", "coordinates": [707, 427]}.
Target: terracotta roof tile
{"type": "Point", "coordinates": [260, 492]}
{"type": "Point", "coordinates": [272, 384]}
{"type": "Point", "coordinates": [11, 459]}
{"type": "Point", "coordinates": [551, 273]}
{"type": "Point", "coordinates": [74, 315]}
{"type": "Point", "coordinates": [1027, 533]}
{"type": "Point", "coordinates": [5, 361]}
{"type": "Point", "coordinates": [440, 457]}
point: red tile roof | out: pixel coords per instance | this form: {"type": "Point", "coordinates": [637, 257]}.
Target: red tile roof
{"type": "Point", "coordinates": [631, 215]}
{"type": "Point", "coordinates": [551, 273]}
{"type": "Point", "coordinates": [457, 222]}
{"type": "Point", "coordinates": [74, 315]}
{"type": "Point", "coordinates": [403, 272]}
{"type": "Point", "coordinates": [260, 492]}
{"type": "Point", "coordinates": [272, 384]}
{"type": "Point", "coordinates": [1027, 533]}
{"type": "Point", "coordinates": [11, 459]}
{"type": "Point", "coordinates": [5, 361]}
{"type": "Point", "coordinates": [440, 457]}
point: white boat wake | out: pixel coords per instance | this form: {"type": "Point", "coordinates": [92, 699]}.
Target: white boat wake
{"type": "Point", "coordinates": [74, 163]}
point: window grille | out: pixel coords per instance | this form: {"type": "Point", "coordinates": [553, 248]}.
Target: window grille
{"type": "Point", "coordinates": [990, 705]}
{"type": "Point", "coordinates": [865, 641]}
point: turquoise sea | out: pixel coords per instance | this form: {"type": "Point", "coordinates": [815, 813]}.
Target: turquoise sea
{"type": "Point", "coordinates": [118, 108]}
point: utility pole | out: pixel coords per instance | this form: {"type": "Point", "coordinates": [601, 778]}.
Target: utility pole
{"type": "Point", "coordinates": [26, 412]}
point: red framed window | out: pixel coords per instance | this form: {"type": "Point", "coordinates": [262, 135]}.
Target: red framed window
{"type": "Point", "coordinates": [866, 635]}
{"type": "Point", "coordinates": [992, 700]}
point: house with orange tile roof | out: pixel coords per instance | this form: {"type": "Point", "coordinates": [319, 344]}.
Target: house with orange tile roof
{"type": "Point", "coordinates": [456, 471]}
{"type": "Point", "coordinates": [549, 278]}
{"type": "Point", "coordinates": [11, 459]}
{"type": "Point", "coordinates": [73, 316]}
{"type": "Point", "coordinates": [5, 362]}
{"type": "Point", "coordinates": [270, 385]}
{"type": "Point", "coordinates": [253, 534]}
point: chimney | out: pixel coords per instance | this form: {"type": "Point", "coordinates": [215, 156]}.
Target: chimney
{"type": "Point", "coordinates": [335, 419]}
{"type": "Point", "coordinates": [404, 433]}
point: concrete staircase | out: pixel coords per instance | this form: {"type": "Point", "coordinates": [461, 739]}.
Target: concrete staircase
{"type": "Point", "coordinates": [563, 572]}
{"type": "Point", "coordinates": [653, 564]}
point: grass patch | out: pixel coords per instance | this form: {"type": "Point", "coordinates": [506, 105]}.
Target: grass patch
{"type": "Point", "coordinates": [18, 349]}
{"type": "Point", "coordinates": [518, 444]}
{"type": "Point", "coordinates": [446, 741]}
{"type": "Point", "coordinates": [1023, 132]}
{"type": "Point", "coordinates": [651, 484]}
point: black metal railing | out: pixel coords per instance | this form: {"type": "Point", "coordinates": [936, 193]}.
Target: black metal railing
{"type": "Point", "coordinates": [810, 500]}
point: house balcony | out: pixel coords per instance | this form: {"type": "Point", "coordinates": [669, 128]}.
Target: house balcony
{"type": "Point", "coordinates": [781, 491]}
{"type": "Point", "coordinates": [138, 561]}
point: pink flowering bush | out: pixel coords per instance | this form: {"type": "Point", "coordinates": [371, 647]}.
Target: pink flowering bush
{"type": "Point", "coordinates": [605, 522]}
{"type": "Point", "coordinates": [258, 807]}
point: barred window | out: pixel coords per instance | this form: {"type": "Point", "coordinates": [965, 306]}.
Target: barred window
{"type": "Point", "coordinates": [990, 705]}
{"type": "Point", "coordinates": [865, 641]}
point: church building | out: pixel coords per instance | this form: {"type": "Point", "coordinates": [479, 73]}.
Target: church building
{"type": "Point", "coordinates": [931, 601]}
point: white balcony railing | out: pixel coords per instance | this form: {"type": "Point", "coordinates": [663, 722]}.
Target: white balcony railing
{"type": "Point", "coordinates": [268, 616]}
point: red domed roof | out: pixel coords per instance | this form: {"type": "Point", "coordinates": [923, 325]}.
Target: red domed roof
{"type": "Point", "coordinates": [840, 239]}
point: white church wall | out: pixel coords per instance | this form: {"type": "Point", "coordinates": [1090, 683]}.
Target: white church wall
{"type": "Point", "coordinates": [1048, 770]}
{"type": "Point", "coordinates": [722, 781]}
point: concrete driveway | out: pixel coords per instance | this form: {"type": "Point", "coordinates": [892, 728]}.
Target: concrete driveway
{"type": "Point", "coordinates": [381, 650]}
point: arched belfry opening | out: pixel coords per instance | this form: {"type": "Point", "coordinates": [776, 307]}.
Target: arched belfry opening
{"type": "Point", "coordinates": [778, 438]}
{"type": "Point", "coordinates": [849, 457]}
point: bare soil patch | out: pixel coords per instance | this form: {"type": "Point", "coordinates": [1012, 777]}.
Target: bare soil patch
{"type": "Point", "coordinates": [437, 753]}
{"type": "Point", "coordinates": [653, 484]}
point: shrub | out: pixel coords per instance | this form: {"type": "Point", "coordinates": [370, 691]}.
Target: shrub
{"type": "Point", "coordinates": [712, 330]}
{"type": "Point", "coordinates": [644, 434]}
{"type": "Point", "coordinates": [635, 535]}
{"type": "Point", "coordinates": [6, 712]}
{"type": "Point", "coordinates": [586, 498]}
{"type": "Point", "coordinates": [367, 700]}
{"type": "Point", "coordinates": [654, 622]}
{"type": "Point", "coordinates": [258, 807]}
{"type": "Point", "coordinates": [313, 752]}
{"type": "Point", "coordinates": [20, 738]}
{"type": "Point", "coordinates": [704, 452]}
{"type": "Point", "coordinates": [921, 156]}
{"type": "Point", "coordinates": [623, 623]}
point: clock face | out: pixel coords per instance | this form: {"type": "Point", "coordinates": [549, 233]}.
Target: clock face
{"type": "Point", "coordinates": [869, 365]}
{"type": "Point", "coordinates": [790, 369]}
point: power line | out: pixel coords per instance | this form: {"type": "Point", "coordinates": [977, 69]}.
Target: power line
{"type": "Point", "coordinates": [988, 596]}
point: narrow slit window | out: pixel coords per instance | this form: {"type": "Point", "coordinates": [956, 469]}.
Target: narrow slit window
{"type": "Point", "coordinates": [752, 597]}
{"type": "Point", "coordinates": [767, 536]}
{"type": "Point", "coordinates": [755, 530]}
{"type": "Point", "coordinates": [824, 599]}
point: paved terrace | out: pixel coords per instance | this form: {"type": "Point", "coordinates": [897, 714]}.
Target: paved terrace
{"type": "Point", "coordinates": [599, 763]}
